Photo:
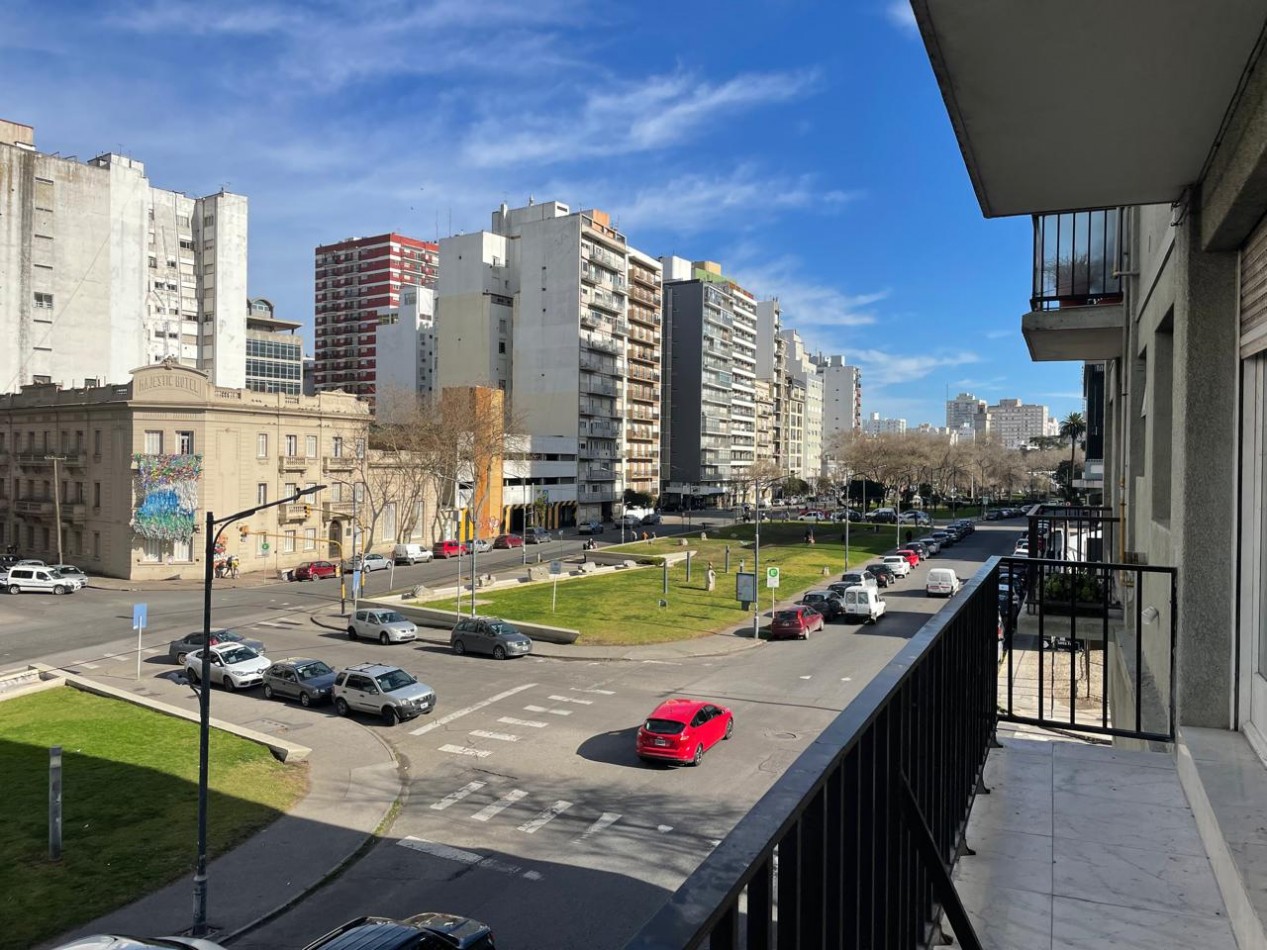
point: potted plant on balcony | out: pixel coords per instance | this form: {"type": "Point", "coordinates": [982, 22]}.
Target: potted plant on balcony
{"type": "Point", "coordinates": [1076, 592]}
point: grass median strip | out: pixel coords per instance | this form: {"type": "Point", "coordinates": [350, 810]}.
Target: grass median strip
{"type": "Point", "coordinates": [129, 804]}
{"type": "Point", "coordinates": [623, 608]}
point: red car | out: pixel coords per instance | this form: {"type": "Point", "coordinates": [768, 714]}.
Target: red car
{"type": "Point", "coordinates": [508, 541]}
{"type": "Point", "coordinates": [311, 570]}
{"type": "Point", "coordinates": [912, 557]}
{"type": "Point", "coordinates": [795, 623]}
{"type": "Point", "coordinates": [448, 548]}
{"type": "Point", "coordinates": [682, 730]}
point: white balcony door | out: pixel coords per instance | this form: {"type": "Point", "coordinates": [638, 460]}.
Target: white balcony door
{"type": "Point", "coordinates": [1253, 553]}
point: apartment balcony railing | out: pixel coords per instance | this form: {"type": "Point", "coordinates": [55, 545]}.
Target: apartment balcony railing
{"type": "Point", "coordinates": [75, 512]}
{"type": "Point", "coordinates": [292, 514]}
{"type": "Point", "coordinates": [333, 463]}
{"type": "Point", "coordinates": [293, 463]}
{"type": "Point", "coordinates": [1076, 259]}
{"type": "Point", "coordinates": [34, 507]}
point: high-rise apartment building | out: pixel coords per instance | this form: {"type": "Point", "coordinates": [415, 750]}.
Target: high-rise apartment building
{"type": "Point", "coordinates": [802, 370]}
{"type": "Point", "coordinates": [274, 354]}
{"type": "Point", "coordinates": [100, 272]}
{"type": "Point", "coordinates": [842, 397]}
{"type": "Point", "coordinates": [1015, 423]}
{"type": "Point", "coordinates": [874, 425]}
{"type": "Point", "coordinates": [967, 410]}
{"type": "Point", "coordinates": [355, 281]}
{"type": "Point", "coordinates": [771, 366]}
{"type": "Point", "coordinates": [642, 385]}
{"type": "Point", "coordinates": [405, 341]}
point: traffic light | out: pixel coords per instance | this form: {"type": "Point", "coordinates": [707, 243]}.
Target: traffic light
{"type": "Point", "coordinates": [307, 511]}
{"type": "Point", "coordinates": [244, 530]}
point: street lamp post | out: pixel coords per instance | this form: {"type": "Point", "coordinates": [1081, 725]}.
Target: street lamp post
{"type": "Point", "coordinates": [57, 502]}
{"type": "Point", "coordinates": [214, 528]}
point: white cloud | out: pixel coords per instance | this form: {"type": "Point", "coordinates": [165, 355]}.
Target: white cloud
{"type": "Point", "coordinates": [1000, 334]}
{"type": "Point", "coordinates": [883, 368]}
{"type": "Point", "coordinates": [901, 15]}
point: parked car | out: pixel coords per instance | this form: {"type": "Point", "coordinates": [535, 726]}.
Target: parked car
{"type": "Point", "coordinates": [899, 564]}
{"type": "Point", "coordinates": [884, 573]}
{"type": "Point", "coordinates": [812, 514]}
{"type": "Point", "coordinates": [651, 518]}
{"type": "Point", "coordinates": [847, 514]}
{"type": "Point", "coordinates": [542, 536]}
{"type": "Point", "coordinates": [381, 690]}
{"type": "Point", "coordinates": [508, 541]}
{"type": "Point", "coordinates": [914, 517]}
{"type": "Point", "coordinates": [795, 623]}
{"type": "Point", "coordinates": [1022, 548]}
{"type": "Point", "coordinates": [22, 577]}
{"type": "Point", "coordinates": [881, 516]}
{"type": "Point", "coordinates": [368, 562]}
{"type": "Point", "coordinates": [860, 578]}
{"type": "Point", "coordinates": [863, 604]}
{"type": "Point", "coordinates": [944, 538]}
{"type": "Point", "coordinates": [942, 582]}
{"type": "Point", "coordinates": [448, 548]}
{"type": "Point", "coordinates": [309, 681]}
{"type": "Point", "coordinates": [919, 548]}
{"type": "Point", "coordinates": [233, 666]}
{"type": "Point", "coordinates": [910, 555]}
{"type": "Point", "coordinates": [177, 650]}
{"type": "Point", "coordinates": [411, 553]}
{"type": "Point", "coordinates": [826, 602]}
{"type": "Point", "coordinates": [311, 570]}
{"type": "Point", "coordinates": [120, 942]}
{"type": "Point", "coordinates": [931, 544]}
{"type": "Point", "coordinates": [385, 626]}
{"type": "Point", "coordinates": [69, 570]}
{"type": "Point", "coordinates": [491, 635]}
{"type": "Point", "coordinates": [589, 527]}
{"type": "Point", "coordinates": [682, 730]}
{"type": "Point", "coordinates": [431, 931]}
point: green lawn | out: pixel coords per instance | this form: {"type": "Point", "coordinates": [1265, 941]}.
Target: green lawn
{"type": "Point", "coordinates": [129, 806]}
{"type": "Point", "coordinates": [623, 607]}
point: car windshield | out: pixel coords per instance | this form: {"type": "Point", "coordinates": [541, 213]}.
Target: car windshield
{"type": "Point", "coordinates": [310, 671]}
{"type": "Point", "coordinates": [394, 680]}
{"type": "Point", "coordinates": [503, 629]}
{"type": "Point", "coordinates": [390, 616]}
{"type": "Point", "coordinates": [664, 727]}
{"type": "Point", "coordinates": [238, 655]}
{"type": "Point", "coordinates": [221, 636]}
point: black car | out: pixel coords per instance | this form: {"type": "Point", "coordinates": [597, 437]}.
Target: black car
{"type": "Point", "coordinates": [918, 547]}
{"type": "Point", "coordinates": [422, 932]}
{"type": "Point", "coordinates": [309, 681]}
{"type": "Point", "coordinates": [827, 603]}
{"type": "Point", "coordinates": [884, 575]}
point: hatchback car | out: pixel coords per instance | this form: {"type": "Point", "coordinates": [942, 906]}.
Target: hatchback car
{"type": "Point", "coordinates": [309, 681]}
{"type": "Point", "coordinates": [507, 541]}
{"type": "Point", "coordinates": [368, 563]}
{"type": "Point", "coordinates": [431, 931]}
{"type": "Point", "coordinates": [682, 730]}
{"type": "Point", "coordinates": [589, 527]}
{"type": "Point", "coordinates": [826, 602]}
{"type": "Point", "coordinates": [177, 650]}
{"type": "Point", "coordinates": [381, 690]}
{"type": "Point", "coordinates": [931, 545]}
{"type": "Point", "coordinates": [884, 573]}
{"type": "Point", "coordinates": [232, 666]}
{"type": "Point", "coordinates": [910, 554]}
{"type": "Point", "coordinates": [69, 570]}
{"type": "Point", "coordinates": [540, 536]}
{"type": "Point", "coordinates": [489, 635]}
{"type": "Point", "coordinates": [311, 570]}
{"type": "Point", "coordinates": [795, 623]}
{"type": "Point", "coordinates": [448, 548]}
{"type": "Point", "coordinates": [385, 626]}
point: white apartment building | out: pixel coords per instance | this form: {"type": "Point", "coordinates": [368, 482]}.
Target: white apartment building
{"type": "Point", "coordinates": [1015, 423]}
{"type": "Point", "coordinates": [801, 369]}
{"type": "Point", "coordinates": [405, 342]}
{"type": "Point", "coordinates": [842, 397]}
{"type": "Point", "coordinates": [967, 410]}
{"type": "Point", "coordinates": [100, 272]}
{"type": "Point", "coordinates": [874, 425]}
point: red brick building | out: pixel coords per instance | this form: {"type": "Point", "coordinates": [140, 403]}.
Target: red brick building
{"type": "Point", "coordinates": [355, 280]}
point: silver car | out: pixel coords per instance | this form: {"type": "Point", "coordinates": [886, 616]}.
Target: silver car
{"type": "Point", "coordinates": [489, 635]}
{"type": "Point", "coordinates": [385, 626]}
{"type": "Point", "coordinates": [381, 690]}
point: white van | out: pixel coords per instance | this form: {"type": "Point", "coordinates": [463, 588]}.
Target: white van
{"type": "Point", "coordinates": [410, 553]}
{"type": "Point", "coordinates": [942, 582]}
{"type": "Point", "coordinates": [864, 604]}
{"type": "Point", "coordinates": [38, 579]}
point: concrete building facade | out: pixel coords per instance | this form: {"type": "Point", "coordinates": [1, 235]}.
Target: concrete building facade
{"type": "Point", "coordinates": [874, 425]}
{"type": "Point", "coordinates": [405, 341]}
{"type": "Point", "coordinates": [967, 410]}
{"type": "Point", "coordinates": [274, 353]}
{"type": "Point", "coordinates": [1015, 423]}
{"type": "Point", "coordinates": [800, 368]}
{"type": "Point", "coordinates": [101, 272]}
{"type": "Point", "coordinates": [842, 397]}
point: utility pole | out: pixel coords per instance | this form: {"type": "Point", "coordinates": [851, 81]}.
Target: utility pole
{"type": "Point", "coordinates": [57, 502]}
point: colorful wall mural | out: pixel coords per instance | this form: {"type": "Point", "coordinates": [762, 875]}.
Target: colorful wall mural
{"type": "Point", "coordinates": [166, 495]}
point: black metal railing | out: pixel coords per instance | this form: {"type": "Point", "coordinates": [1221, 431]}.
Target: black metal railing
{"type": "Point", "coordinates": [854, 844]}
{"type": "Point", "coordinates": [1076, 259]}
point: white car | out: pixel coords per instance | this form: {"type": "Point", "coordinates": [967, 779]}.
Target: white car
{"type": "Point", "coordinates": [72, 573]}
{"type": "Point", "coordinates": [233, 666]}
{"type": "Point", "coordinates": [942, 582]}
{"type": "Point", "coordinates": [1022, 548]}
{"type": "Point", "coordinates": [385, 626]}
{"type": "Point", "coordinates": [898, 564]}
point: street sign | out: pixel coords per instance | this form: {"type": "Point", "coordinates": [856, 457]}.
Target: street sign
{"type": "Point", "coordinates": [556, 567]}
{"type": "Point", "coordinates": [140, 616]}
{"type": "Point", "coordinates": [771, 577]}
{"type": "Point", "coordinates": [746, 587]}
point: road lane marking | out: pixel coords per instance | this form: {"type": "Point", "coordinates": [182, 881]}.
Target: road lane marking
{"type": "Point", "coordinates": [490, 811]}
{"type": "Point", "coordinates": [806, 677]}
{"type": "Point", "coordinates": [604, 692]}
{"type": "Point", "coordinates": [608, 819]}
{"type": "Point", "coordinates": [458, 714]}
{"type": "Point", "coordinates": [154, 650]}
{"type": "Point", "coordinates": [88, 666]}
{"type": "Point", "coordinates": [530, 723]}
{"type": "Point", "coordinates": [554, 811]}
{"type": "Point", "coordinates": [569, 699]}
{"type": "Point", "coordinates": [463, 750]}
{"type": "Point", "coordinates": [664, 829]}
{"type": "Point", "coordinates": [454, 797]}
{"type": "Point", "coordinates": [503, 736]}
{"type": "Point", "coordinates": [266, 623]}
{"type": "Point", "coordinates": [450, 853]}
{"type": "Point", "coordinates": [552, 712]}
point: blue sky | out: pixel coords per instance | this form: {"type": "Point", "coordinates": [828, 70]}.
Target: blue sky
{"type": "Point", "coordinates": [803, 145]}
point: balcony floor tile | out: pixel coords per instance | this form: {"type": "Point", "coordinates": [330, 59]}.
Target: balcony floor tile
{"type": "Point", "coordinates": [1134, 877]}
{"type": "Point", "coordinates": [1007, 859]}
{"type": "Point", "coordinates": [1006, 918]}
{"type": "Point", "coordinates": [1088, 925]}
{"type": "Point", "coordinates": [1115, 782]}
{"type": "Point", "coordinates": [1152, 827]}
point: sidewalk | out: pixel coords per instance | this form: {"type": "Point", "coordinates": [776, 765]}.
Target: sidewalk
{"type": "Point", "coordinates": [254, 579]}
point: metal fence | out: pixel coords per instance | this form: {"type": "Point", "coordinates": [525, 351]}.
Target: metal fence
{"type": "Point", "coordinates": [854, 844]}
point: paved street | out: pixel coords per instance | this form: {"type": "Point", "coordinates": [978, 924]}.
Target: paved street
{"type": "Point", "coordinates": [524, 791]}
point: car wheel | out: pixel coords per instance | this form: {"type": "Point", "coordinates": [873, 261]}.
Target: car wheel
{"type": "Point", "coordinates": [459, 647]}
{"type": "Point", "coordinates": [341, 706]}
{"type": "Point", "coordinates": [389, 716]}
{"type": "Point", "coordinates": [59, 589]}
{"type": "Point", "coordinates": [14, 589]}
{"type": "Point", "coordinates": [268, 691]}
{"type": "Point", "coordinates": [180, 658]}
{"type": "Point", "coordinates": [305, 700]}
{"type": "Point", "coordinates": [383, 638]}
{"type": "Point", "coordinates": [191, 675]}
{"type": "Point", "coordinates": [499, 653]}
{"type": "Point", "coordinates": [351, 633]}
{"type": "Point", "coordinates": [730, 728]}
{"type": "Point", "coordinates": [227, 683]}
{"type": "Point", "coordinates": [699, 755]}
{"type": "Point", "coordinates": [804, 634]}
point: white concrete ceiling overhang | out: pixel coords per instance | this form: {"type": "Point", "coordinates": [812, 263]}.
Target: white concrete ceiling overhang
{"type": "Point", "coordinates": [1067, 104]}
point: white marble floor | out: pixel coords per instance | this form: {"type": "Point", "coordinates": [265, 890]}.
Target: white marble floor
{"type": "Point", "coordinates": [1086, 846]}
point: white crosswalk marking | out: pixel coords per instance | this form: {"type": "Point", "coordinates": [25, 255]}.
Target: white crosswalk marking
{"type": "Point", "coordinates": [503, 736]}
{"type": "Point", "coordinates": [266, 623]}
{"type": "Point", "coordinates": [457, 796]}
{"type": "Point", "coordinates": [457, 714]}
{"type": "Point", "coordinates": [554, 811]}
{"type": "Point", "coordinates": [570, 699]}
{"type": "Point", "coordinates": [552, 712]}
{"type": "Point", "coordinates": [463, 750]}
{"type": "Point", "coordinates": [805, 677]}
{"type": "Point", "coordinates": [490, 811]}
{"type": "Point", "coordinates": [608, 819]}
{"type": "Point", "coordinates": [88, 666]}
{"type": "Point", "coordinates": [153, 650]}
{"type": "Point", "coordinates": [119, 658]}
{"type": "Point", "coordinates": [604, 692]}
{"type": "Point", "coordinates": [530, 723]}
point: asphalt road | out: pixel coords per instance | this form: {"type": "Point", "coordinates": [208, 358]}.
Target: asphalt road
{"type": "Point", "coordinates": [526, 807]}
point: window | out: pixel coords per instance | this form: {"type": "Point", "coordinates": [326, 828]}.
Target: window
{"type": "Point", "coordinates": [310, 446]}
{"type": "Point", "coordinates": [208, 220]}
{"type": "Point", "coordinates": [310, 539]}
{"type": "Point", "coordinates": [96, 494]}
{"type": "Point", "coordinates": [360, 448]}
{"type": "Point", "coordinates": [261, 445]}
{"type": "Point", "coordinates": [261, 493]}
{"type": "Point", "coordinates": [96, 442]}
{"type": "Point", "coordinates": [292, 446]}
{"type": "Point", "coordinates": [501, 346]}
{"type": "Point", "coordinates": [288, 542]}
{"type": "Point", "coordinates": [152, 553]}
{"type": "Point", "coordinates": [185, 443]}
{"type": "Point", "coordinates": [291, 488]}
{"type": "Point", "coordinates": [153, 442]}
{"type": "Point", "coordinates": [43, 301]}
{"type": "Point", "coordinates": [96, 544]}
{"type": "Point", "coordinates": [336, 446]}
